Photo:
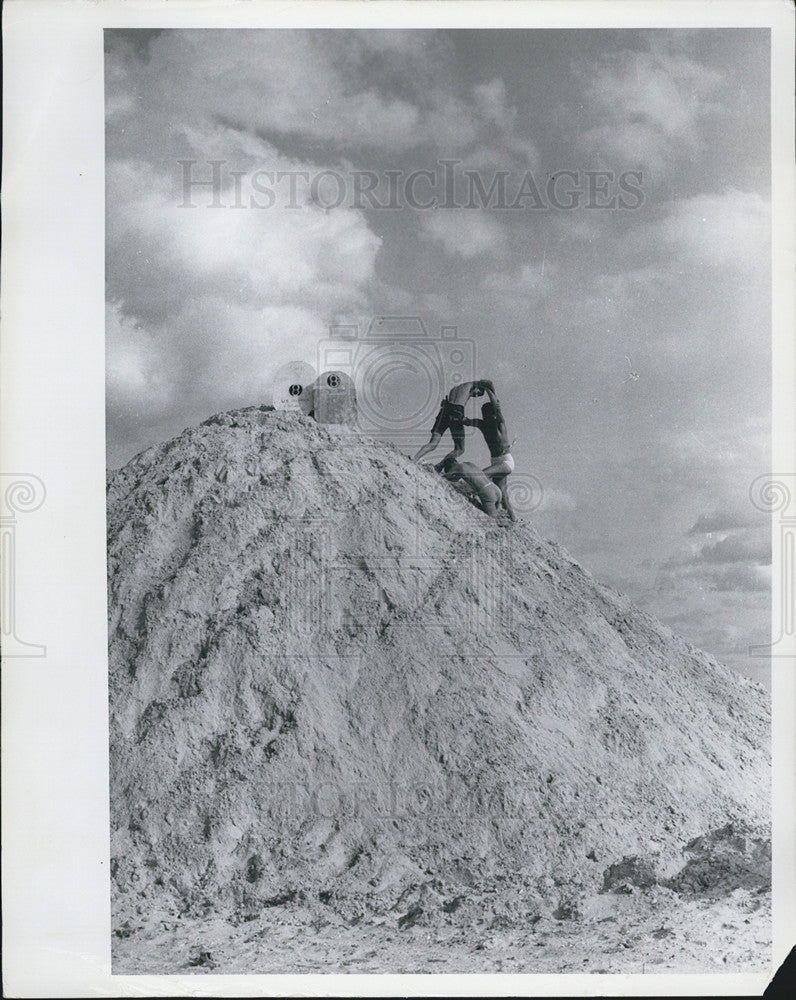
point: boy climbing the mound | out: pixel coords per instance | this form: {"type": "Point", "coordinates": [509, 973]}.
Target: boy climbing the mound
{"type": "Point", "coordinates": [493, 427]}
{"type": "Point", "coordinates": [489, 495]}
{"type": "Point", "coordinates": [451, 415]}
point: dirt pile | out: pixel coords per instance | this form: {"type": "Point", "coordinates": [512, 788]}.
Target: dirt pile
{"type": "Point", "coordinates": [335, 684]}
{"type": "Point", "coordinates": [721, 861]}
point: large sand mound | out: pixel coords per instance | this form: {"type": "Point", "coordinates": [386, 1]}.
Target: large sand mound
{"type": "Point", "coordinates": [331, 677]}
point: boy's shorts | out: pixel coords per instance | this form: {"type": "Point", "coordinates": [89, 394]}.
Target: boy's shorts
{"type": "Point", "coordinates": [450, 416]}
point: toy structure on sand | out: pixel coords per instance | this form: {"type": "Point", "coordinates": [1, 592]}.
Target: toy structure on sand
{"type": "Point", "coordinates": [329, 398]}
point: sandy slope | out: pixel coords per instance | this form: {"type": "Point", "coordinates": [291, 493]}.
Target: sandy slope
{"type": "Point", "coordinates": [338, 688]}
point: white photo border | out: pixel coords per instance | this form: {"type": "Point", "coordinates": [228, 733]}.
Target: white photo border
{"type": "Point", "coordinates": [56, 891]}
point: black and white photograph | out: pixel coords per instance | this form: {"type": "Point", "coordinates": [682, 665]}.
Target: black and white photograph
{"type": "Point", "coordinates": [448, 545]}
{"type": "Point", "coordinates": [438, 373]}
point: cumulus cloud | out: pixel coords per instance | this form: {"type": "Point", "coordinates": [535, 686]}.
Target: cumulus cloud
{"type": "Point", "coordinates": [733, 570]}
{"type": "Point", "coordinates": [465, 233]}
{"type": "Point", "coordinates": [513, 292]}
{"type": "Point", "coordinates": [679, 241]}
{"type": "Point", "coordinates": [530, 279]}
{"type": "Point", "coordinates": [734, 549]}
{"type": "Point", "coordinates": [205, 303]}
{"type": "Point", "coordinates": [723, 453]}
{"type": "Point", "coordinates": [491, 100]}
{"type": "Point", "coordinates": [312, 84]}
{"type": "Point", "coordinates": [161, 253]}
{"type": "Point", "coordinates": [738, 561]}
{"type": "Point", "coordinates": [211, 355]}
{"type": "Point", "coordinates": [263, 103]}
{"type": "Point", "coordinates": [744, 579]}
{"type": "Point", "coordinates": [648, 107]}
{"type": "Point", "coordinates": [725, 519]}
{"type": "Point", "coordinates": [282, 82]}
{"type": "Point", "coordinates": [732, 228]}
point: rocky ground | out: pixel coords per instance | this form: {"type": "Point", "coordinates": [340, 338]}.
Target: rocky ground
{"type": "Point", "coordinates": [358, 725]}
{"type": "Point", "coordinates": [648, 931]}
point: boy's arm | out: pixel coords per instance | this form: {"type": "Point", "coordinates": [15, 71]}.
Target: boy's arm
{"type": "Point", "coordinates": [495, 405]}
{"type": "Point", "coordinates": [489, 389]}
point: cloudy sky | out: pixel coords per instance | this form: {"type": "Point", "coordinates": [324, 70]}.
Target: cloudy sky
{"type": "Point", "coordinates": [614, 282]}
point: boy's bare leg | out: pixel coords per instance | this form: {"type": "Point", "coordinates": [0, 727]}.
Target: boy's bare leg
{"type": "Point", "coordinates": [502, 483]}
{"type": "Point", "coordinates": [499, 467]}
{"type": "Point", "coordinates": [428, 447]}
